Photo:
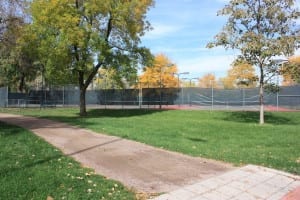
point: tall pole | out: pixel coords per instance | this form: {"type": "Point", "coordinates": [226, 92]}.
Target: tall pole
{"type": "Point", "coordinates": [63, 96]}
{"type": "Point", "coordinates": [277, 92]}
{"type": "Point", "coordinates": [42, 96]}
{"type": "Point", "coordinates": [6, 103]}
{"type": "Point", "coordinates": [105, 91]}
{"type": "Point", "coordinates": [160, 86]}
{"type": "Point", "coordinates": [148, 99]}
{"type": "Point", "coordinates": [180, 88]}
{"type": "Point", "coordinates": [140, 94]}
{"type": "Point", "coordinates": [243, 96]}
{"type": "Point", "coordinates": [278, 62]}
{"type": "Point", "coordinates": [212, 95]}
{"type": "Point", "coordinates": [189, 95]}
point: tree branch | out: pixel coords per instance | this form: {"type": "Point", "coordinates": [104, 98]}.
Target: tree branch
{"type": "Point", "coordinates": [109, 27]}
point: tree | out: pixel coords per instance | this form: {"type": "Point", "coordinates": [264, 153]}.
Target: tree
{"type": "Point", "coordinates": [108, 79]}
{"type": "Point", "coordinates": [208, 81]}
{"type": "Point", "coordinates": [287, 80]}
{"type": "Point", "coordinates": [8, 52]}
{"type": "Point", "coordinates": [291, 71]}
{"type": "Point", "coordinates": [82, 36]}
{"type": "Point", "coordinates": [11, 10]}
{"type": "Point", "coordinates": [260, 29]}
{"type": "Point", "coordinates": [15, 60]}
{"type": "Point", "coordinates": [241, 74]}
{"type": "Point", "coordinates": [160, 74]}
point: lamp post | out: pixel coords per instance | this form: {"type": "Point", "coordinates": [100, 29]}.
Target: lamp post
{"type": "Point", "coordinates": [212, 94]}
{"type": "Point", "coordinates": [178, 79]}
{"type": "Point", "coordinates": [105, 79]}
{"type": "Point", "coordinates": [103, 84]}
{"type": "Point", "coordinates": [43, 97]}
{"type": "Point", "coordinates": [278, 62]}
{"type": "Point", "coordinates": [140, 94]}
{"type": "Point", "coordinates": [160, 86]}
{"type": "Point", "coordinates": [190, 80]}
{"type": "Point", "coordinates": [160, 82]}
{"type": "Point", "coordinates": [189, 95]}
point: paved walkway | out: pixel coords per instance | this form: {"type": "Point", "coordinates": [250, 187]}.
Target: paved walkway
{"type": "Point", "coordinates": [247, 183]}
{"type": "Point", "coordinates": [136, 165]}
{"type": "Point", "coordinates": [152, 170]}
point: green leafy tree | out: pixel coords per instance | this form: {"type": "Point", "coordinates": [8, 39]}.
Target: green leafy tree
{"type": "Point", "coordinates": [260, 29]}
{"type": "Point", "coordinates": [16, 64]}
{"type": "Point", "coordinates": [82, 36]}
{"type": "Point", "coordinates": [11, 10]}
{"type": "Point", "coordinates": [109, 78]}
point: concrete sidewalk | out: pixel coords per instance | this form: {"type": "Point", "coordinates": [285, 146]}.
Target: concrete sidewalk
{"type": "Point", "coordinates": [138, 166]}
{"type": "Point", "coordinates": [247, 183]}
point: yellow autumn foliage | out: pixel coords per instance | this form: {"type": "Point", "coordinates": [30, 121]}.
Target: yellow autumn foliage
{"type": "Point", "coordinates": [161, 74]}
{"type": "Point", "coordinates": [241, 74]}
{"type": "Point", "coordinates": [208, 81]}
{"type": "Point", "coordinates": [291, 71]}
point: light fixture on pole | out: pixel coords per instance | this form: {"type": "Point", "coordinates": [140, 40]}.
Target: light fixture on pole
{"type": "Point", "coordinates": [160, 83]}
{"type": "Point", "coordinates": [190, 80]}
{"type": "Point", "coordinates": [178, 79]}
{"type": "Point", "coordinates": [278, 62]}
{"type": "Point", "coordinates": [189, 94]}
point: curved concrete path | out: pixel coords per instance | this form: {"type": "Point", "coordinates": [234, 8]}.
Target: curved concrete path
{"type": "Point", "coordinates": [136, 165]}
{"type": "Point", "coordinates": [152, 170]}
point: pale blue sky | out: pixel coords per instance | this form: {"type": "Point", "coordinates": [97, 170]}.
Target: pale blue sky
{"type": "Point", "coordinates": [182, 28]}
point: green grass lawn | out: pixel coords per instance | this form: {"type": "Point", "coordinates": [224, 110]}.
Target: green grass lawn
{"type": "Point", "coordinates": [32, 169]}
{"type": "Point", "coordinates": [233, 137]}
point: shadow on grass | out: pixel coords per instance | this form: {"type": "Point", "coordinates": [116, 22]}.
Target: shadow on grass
{"type": "Point", "coordinates": [7, 130]}
{"type": "Point", "coordinates": [77, 120]}
{"type": "Point", "coordinates": [196, 139]}
{"type": "Point", "coordinates": [11, 169]}
{"type": "Point", "coordinates": [119, 113]}
{"type": "Point", "coordinates": [253, 117]}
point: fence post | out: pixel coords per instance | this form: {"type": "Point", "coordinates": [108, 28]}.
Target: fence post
{"type": "Point", "coordinates": [63, 96]}
{"type": "Point", "coordinates": [182, 96]}
{"type": "Point", "coordinates": [122, 98]}
{"type": "Point", "coordinates": [243, 97]}
{"type": "Point", "coordinates": [140, 95]}
{"type": "Point", "coordinates": [105, 103]}
{"type": "Point", "coordinates": [277, 101]}
{"type": "Point", "coordinates": [189, 98]}
{"type": "Point", "coordinates": [6, 103]}
{"type": "Point", "coordinates": [212, 95]}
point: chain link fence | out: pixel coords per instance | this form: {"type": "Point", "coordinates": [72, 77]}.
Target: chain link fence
{"type": "Point", "coordinates": [205, 98]}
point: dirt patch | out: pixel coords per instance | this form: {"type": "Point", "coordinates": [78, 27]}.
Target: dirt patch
{"type": "Point", "coordinates": [143, 168]}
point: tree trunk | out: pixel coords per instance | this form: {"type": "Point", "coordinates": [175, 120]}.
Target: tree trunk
{"type": "Point", "coordinates": [261, 96]}
{"type": "Point", "coordinates": [82, 102]}
{"type": "Point", "coordinates": [82, 87]}
{"type": "Point", "coordinates": [21, 83]}
{"type": "Point", "coordinates": [261, 104]}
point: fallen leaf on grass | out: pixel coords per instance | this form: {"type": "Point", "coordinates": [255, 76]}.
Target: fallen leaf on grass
{"type": "Point", "coordinates": [49, 198]}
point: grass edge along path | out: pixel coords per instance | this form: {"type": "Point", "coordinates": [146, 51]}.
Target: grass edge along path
{"type": "Point", "coordinates": [30, 168]}
{"type": "Point", "coordinates": [234, 137]}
